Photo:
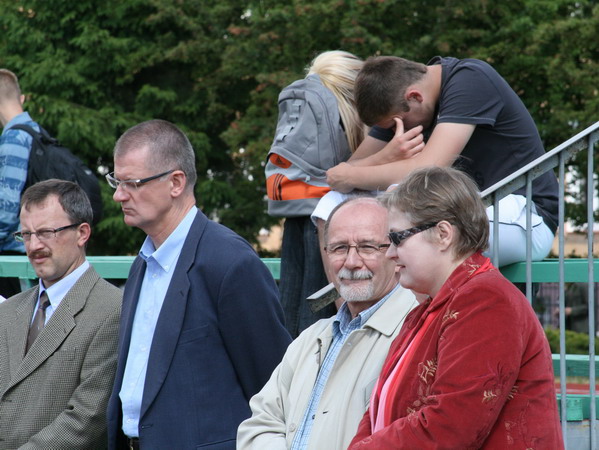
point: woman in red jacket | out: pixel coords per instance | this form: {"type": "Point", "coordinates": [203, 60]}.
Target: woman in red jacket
{"type": "Point", "coordinates": [471, 367]}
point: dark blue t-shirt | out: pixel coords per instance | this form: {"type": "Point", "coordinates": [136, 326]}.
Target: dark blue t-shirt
{"type": "Point", "coordinates": [505, 138]}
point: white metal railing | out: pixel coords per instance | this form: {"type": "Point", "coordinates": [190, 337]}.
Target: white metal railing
{"type": "Point", "coordinates": [524, 177]}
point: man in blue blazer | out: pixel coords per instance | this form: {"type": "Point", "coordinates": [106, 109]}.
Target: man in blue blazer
{"type": "Point", "coordinates": [201, 327]}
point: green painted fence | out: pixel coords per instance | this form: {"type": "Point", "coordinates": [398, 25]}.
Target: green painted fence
{"type": "Point", "coordinates": [578, 406]}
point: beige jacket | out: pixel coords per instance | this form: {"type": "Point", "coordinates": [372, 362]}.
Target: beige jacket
{"type": "Point", "coordinates": [55, 396]}
{"type": "Point", "coordinates": [278, 409]}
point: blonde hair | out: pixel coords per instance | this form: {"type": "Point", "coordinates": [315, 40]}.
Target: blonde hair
{"type": "Point", "coordinates": [9, 86]}
{"type": "Point", "coordinates": [338, 71]}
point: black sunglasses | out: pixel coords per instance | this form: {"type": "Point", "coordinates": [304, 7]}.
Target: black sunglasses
{"type": "Point", "coordinates": [398, 236]}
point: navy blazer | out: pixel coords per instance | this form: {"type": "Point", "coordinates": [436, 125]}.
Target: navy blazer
{"type": "Point", "coordinates": [219, 336]}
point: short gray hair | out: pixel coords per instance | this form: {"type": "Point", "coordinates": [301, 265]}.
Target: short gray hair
{"type": "Point", "coordinates": [169, 147]}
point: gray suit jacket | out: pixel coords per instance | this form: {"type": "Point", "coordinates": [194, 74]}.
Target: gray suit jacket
{"type": "Point", "coordinates": [55, 397]}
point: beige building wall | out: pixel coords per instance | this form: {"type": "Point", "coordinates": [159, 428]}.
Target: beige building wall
{"type": "Point", "coordinates": [270, 240]}
{"type": "Point", "coordinates": [575, 245]}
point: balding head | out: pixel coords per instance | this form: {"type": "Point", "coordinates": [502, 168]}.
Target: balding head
{"type": "Point", "coordinates": [364, 278]}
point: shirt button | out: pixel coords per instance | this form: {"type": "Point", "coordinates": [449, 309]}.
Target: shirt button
{"type": "Point", "coordinates": [292, 427]}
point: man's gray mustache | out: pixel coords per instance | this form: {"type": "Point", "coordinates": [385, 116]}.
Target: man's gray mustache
{"type": "Point", "coordinates": [346, 274]}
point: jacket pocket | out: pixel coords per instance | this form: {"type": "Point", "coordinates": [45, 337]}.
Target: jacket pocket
{"type": "Point", "coordinates": [196, 333]}
{"type": "Point", "coordinates": [228, 444]}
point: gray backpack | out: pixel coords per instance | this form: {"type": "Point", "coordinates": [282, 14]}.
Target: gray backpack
{"type": "Point", "coordinates": [309, 140]}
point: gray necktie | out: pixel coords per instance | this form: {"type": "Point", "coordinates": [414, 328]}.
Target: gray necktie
{"type": "Point", "coordinates": [38, 321]}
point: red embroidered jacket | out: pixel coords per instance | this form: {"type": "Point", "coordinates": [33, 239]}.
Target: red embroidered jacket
{"type": "Point", "coordinates": [481, 377]}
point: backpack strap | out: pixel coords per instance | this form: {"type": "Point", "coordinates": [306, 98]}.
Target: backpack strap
{"type": "Point", "coordinates": [39, 136]}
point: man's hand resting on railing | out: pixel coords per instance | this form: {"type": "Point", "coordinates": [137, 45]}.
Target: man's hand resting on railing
{"type": "Point", "coordinates": [404, 145]}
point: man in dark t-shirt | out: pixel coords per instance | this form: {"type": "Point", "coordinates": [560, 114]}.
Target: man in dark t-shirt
{"type": "Point", "coordinates": [451, 112]}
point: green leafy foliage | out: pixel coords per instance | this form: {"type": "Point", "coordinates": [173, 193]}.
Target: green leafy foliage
{"type": "Point", "coordinates": [215, 67]}
{"type": "Point", "coordinates": [576, 343]}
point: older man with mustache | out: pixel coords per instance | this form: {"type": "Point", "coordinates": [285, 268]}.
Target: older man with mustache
{"type": "Point", "coordinates": [316, 397]}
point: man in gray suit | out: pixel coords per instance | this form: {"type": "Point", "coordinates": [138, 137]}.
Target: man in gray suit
{"type": "Point", "coordinates": [58, 340]}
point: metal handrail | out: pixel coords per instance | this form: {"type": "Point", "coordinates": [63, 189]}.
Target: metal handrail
{"type": "Point", "coordinates": [524, 177]}
{"type": "Point", "coordinates": [541, 165]}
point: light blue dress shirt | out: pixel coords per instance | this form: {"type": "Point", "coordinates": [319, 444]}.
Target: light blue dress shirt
{"type": "Point", "coordinates": [343, 325]}
{"type": "Point", "coordinates": [58, 290]}
{"type": "Point", "coordinates": [160, 267]}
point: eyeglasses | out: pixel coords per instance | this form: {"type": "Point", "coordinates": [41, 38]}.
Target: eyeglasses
{"type": "Point", "coordinates": [132, 184]}
{"type": "Point", "coordinates": [397, 237]}
{"type": "Point", "coordinates": [44, 234]}
{"type": "Point", "coordinates": [365, 251]}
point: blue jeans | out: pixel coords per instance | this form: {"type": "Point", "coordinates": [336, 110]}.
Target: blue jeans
{"type": "Point", "coordinates": [302, 274]}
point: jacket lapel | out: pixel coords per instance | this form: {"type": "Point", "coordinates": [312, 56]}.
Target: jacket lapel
{"type": "Point", "coordinates": [172, 315]}
{"type": "Point", "coordinates": [18, 331]}
{"type": "Point", "coordinates": [130, 298]}
{"type": "Point", "coordinates": [58, 327]}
